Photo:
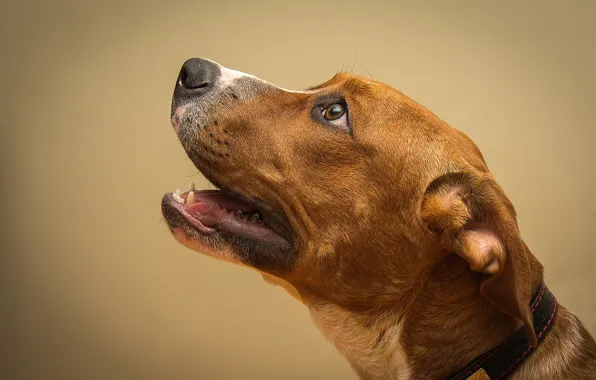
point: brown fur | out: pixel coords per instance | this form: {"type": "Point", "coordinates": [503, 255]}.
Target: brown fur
{"type": "Point", "coordinates": [409, 254]}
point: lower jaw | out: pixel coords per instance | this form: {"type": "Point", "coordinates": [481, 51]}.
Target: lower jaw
{"type": "Point", "coordinates": [177, 217]}
{"type": "Point", "coordinates": [274, 257]}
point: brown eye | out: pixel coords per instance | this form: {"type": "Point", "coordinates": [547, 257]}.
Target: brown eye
{"type": "Point", "coordinates": [334, 112]}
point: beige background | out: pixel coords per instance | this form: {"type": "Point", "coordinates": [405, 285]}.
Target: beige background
{"type": "Point", "coordinates": [96, 288]}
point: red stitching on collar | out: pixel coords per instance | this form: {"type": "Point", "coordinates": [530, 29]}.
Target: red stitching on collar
{"type": "Point", "coordinates": [496, 349]}
{"type": "Point", "coordinates": [552, 317]}
{"type": "Point", "coordinates": [539, 299]}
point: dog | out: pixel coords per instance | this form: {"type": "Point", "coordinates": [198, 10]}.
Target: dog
{"type": "Point", "coordinates": [384, 221]}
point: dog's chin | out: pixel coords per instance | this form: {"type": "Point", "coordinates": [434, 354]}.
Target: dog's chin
{"type": "Point", "coordinates": [226, 227]}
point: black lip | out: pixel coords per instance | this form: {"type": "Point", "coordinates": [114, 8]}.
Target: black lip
{"type": "Point", "coordinates": [275, 258]}
{"type": "Point", "coordinates": [176, 217]}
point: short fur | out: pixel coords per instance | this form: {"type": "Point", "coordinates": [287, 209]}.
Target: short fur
{"type": "Point", "coordinates": [405, 249]}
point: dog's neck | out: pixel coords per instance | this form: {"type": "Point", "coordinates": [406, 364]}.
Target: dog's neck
{"type": "Point", "coordinates": [371, 343]}
{"type": "Point", "coordinates": [444, 325]}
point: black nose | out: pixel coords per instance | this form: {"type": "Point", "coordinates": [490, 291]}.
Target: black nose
{"type": "Point", "coordinates": [197, 77]}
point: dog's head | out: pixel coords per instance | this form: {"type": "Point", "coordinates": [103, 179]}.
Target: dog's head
{"type": "Point", "coordinates": [349, 191]}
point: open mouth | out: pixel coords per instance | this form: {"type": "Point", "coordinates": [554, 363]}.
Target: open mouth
{"type": "Point", "coordinates": [217, 212]}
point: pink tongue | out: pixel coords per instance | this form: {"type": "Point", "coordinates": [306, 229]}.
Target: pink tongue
{"type": "Point", "coordinates": [210, 214]}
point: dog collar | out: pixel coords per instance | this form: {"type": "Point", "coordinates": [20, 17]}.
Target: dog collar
{"type": "Point", "coordinates": [502, 360]}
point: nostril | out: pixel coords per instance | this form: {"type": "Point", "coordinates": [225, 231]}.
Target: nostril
{"type": "Point", "coordinates": [203, 85]}
{"type": "Point", "coordinates": [191, 84]}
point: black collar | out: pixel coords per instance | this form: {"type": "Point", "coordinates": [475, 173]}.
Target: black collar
{"type": "Point", "coordinates": [502, 360]}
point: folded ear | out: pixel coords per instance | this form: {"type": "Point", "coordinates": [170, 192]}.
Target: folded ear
{"type": "Point", "coordinates": [471, 216]}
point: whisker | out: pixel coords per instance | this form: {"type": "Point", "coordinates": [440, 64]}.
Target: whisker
{"type": "Point", "coordinates": [370, 75]}
{"type": "Point", "coordinates": [354, 64]}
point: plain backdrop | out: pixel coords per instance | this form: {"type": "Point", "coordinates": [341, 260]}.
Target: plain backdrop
{"type": "Point", "coordinates": [95, 287]}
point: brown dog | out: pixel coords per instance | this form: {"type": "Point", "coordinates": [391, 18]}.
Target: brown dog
{"type": "Point", "coordinates": [383, 220]}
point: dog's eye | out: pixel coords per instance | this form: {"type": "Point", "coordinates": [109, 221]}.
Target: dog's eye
{"type": "Point", "coordinates": [332, 111]}
{"type": "Point", "coordinates": [336, 114]}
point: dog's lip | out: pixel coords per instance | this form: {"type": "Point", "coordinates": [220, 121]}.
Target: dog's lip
{"type": "Point", "coordinates": [217, 211]}
{"type": "Point", "coordinates": [170, 204]}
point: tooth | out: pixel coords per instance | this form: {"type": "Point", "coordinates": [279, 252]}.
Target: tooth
{"type": "Point", "coordinates": [178, 198]}
{"type": "Point", "coordinates": [255, 218]}
{"type": "Point", "coordinates": [191, 186]}
{"type": "Point", "coordinates": [239, 213]}
{"type": "Point", "coordinates": [190, 200]}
